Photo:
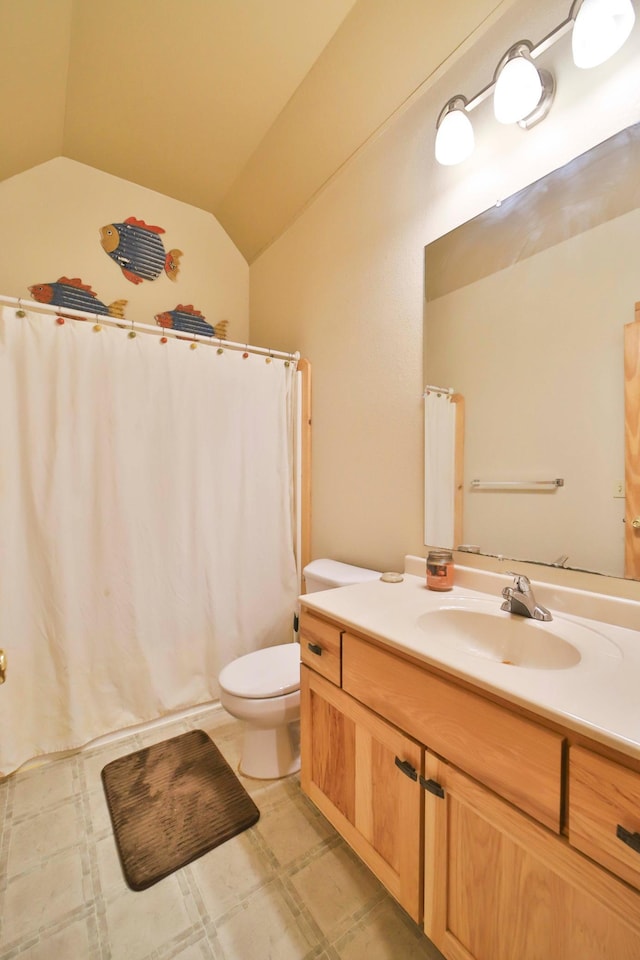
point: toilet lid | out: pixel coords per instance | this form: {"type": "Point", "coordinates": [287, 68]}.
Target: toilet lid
{"type": "Point", "coordinates": [270, 672]}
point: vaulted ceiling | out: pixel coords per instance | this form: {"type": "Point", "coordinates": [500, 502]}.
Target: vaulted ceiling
{"type": "Point", "coordinates": [244, 108]}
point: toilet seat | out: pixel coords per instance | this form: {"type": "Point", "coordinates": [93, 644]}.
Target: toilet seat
{"type": "Point", "coordinates": [263, 674]}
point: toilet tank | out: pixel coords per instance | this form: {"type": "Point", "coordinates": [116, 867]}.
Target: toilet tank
{"type": "Point", "coordinates": [325, 574]}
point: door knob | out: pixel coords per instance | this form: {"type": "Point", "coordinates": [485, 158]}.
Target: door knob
{"type": "Point", "coordinates": [3, 667]}
{"type": "Point", "coordinates": [636, 523]}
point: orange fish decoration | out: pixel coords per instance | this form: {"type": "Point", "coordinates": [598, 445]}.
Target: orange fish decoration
{"type": "Point", "coordinates": [138, 250]}
{"type": "Point", "coordinates": [189, 320]}
{"type": "Point", "coordinates": [73, 294]}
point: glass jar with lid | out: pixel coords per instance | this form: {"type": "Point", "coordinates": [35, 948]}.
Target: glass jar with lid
{"type": "Point", "coordinates": [440, 570]}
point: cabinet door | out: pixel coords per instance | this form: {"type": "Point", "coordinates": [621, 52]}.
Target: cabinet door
{"type": "Point", "coordinates": [498, 886]}
{"type": "Point", "coordinates": [604, 812]}
{"type": "Point", "coordinates": [359, 771]}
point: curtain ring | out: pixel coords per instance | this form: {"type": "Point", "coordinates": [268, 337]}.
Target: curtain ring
{"type": "Point", "coordinates": [97, 325]}
{"type": "Point", "coordinates": [219, 350]}
{"type": "Point", "coordinates": [132, 334]}
{"type": "Point", "coordinates": [269, 358]}
{"type": "Point", "coordinates": [246, 352]}
{"type": "Point", "coordinates": [20, 312]}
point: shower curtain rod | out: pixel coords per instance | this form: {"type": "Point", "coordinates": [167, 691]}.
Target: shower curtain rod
{"type": "Point", "coordinates": [108, 320]}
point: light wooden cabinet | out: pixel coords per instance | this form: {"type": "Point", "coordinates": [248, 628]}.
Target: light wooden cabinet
{"type": "Point", "coordinates": [499, 887]}
{"type": "Point", "coordinates": [604, 813]}
{"type": "Point", "coordinates": [518, 759]}
{"type": "Point", "coordinates": [321, 646]}
{"type": "Point", "coordinates": [362, 773]}
{"type": "Point", "coordinates": [470, 811]}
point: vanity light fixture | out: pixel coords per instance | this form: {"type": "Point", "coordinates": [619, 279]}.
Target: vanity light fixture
{"type": "Point", "coordinates": [523, 92]}
{"type": "Point", "coordinates": [454, 136]}
{"type": "Point", "coordinates": [601, 27]}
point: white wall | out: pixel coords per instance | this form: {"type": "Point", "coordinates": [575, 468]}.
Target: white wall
{"type": "Point", "coordinates": [50, 217]}
{"type": "Point", "coordinates": [345, 283]}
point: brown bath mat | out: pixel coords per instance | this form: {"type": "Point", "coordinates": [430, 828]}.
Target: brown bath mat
{"type": "Point", "coordinates": [172, 802]}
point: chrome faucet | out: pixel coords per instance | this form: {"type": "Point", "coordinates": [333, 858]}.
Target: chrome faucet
{"type": "Point", "coordinates": [519, 598]}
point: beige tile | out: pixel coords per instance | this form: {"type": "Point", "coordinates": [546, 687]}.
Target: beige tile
{"type": "Point", "coordinates": [227, 874]}
{"type": "Point", "coordinates": [215, 723]}
{"type": "Point", "coordinates": [231, 748]}
{"type": "Point", "coordinates": [41, 788]}
{"type": "Point", "coordinates": [264, 928]}
{"type": "Point", "coordinates": [94, 761]}
{"type": "Point", "coordinates": [39, 837]}
{"type": "Point", "coordinates": [250, 888]}
{"type": "Point", "coordinates": [99, 812]}
{"type": "Point", "coordinates": [334, 887]}
{"type": "Point", "coordinates": [291, 831]}
{"type": "Point", "coordinates": [44, 895]}
{"type": "Point", "coordinates": [201, 950]}
{"type": "Point", "coordinates": [140, 922]}
{"type": "Point", "coordinates": [165, 731]}
{"type": "Point", "coordinates": [386, 934]}
{"type": "Point", "coordinates": [4, 791]}
{"type": "Point", "coordinates": [109, 866]}
{"type": "Point", "coordinates": [71, 943]}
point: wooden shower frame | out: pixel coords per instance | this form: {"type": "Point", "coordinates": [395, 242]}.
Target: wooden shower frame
{"type": "Point", "coordinates": [632, 446]}
{"type": "Point", "coordinates": [304, 366]}
{"type": "Point", "coordinates": [458, 478]}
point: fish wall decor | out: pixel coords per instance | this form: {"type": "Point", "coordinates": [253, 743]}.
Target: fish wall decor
{"type": "Point", "coordinates": [138, 250]}
{"type": "Point", "coordinates": [73, 294]}
{"type": "Point", "coordinates": [189, 320]}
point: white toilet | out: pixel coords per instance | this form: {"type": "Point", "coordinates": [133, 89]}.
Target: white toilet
{"type": "Point", "coordinates": [263, 687]}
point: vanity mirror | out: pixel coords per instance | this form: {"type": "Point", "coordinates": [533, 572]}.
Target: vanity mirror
{"type": "Point", "coordinates": [524, 317]}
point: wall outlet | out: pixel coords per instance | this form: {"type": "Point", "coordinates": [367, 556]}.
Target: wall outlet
{"type": "Point", "coordinates": [618, 489]}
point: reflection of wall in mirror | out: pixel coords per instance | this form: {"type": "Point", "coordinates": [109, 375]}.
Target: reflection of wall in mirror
{"type": "Point", "coordinates": [537, 350]}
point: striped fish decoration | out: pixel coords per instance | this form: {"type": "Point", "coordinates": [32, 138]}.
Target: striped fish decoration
{"type": "Point", "coordinates": [189, 320]}
{"type": "Point", "coordinates": [73, 294]}
{"type": "Point", "coordinates": [138, 250]}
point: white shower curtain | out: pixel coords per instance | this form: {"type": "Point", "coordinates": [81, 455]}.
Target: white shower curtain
{"type": "Point", "coordinates": [145, 525]}
{"type": "Point", "coordinates": [439, 468]}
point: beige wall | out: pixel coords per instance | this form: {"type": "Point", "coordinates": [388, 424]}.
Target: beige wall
{"type": "Point", "coordinates": [49, 227]}
{"type": "Point", "coordinates": [345, 283]}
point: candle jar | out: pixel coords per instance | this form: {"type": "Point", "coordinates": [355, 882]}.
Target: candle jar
{"type": "Point", "coordinates": [440, 570]}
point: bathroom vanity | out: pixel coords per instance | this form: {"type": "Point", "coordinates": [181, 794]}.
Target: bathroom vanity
{"type": "Point", "coordinates": [493, 786]}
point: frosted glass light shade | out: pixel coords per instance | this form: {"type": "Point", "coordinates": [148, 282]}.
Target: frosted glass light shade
{"type": "Point", "coordinates": [518, 90]}
{"type": "Point", "coordinates": [454, 138]}
{"type": "Point", "coordinates": [601, 28]}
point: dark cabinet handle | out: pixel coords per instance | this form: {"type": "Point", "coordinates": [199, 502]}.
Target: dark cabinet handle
{"type": "Point", "coordinates": [631, 839]}
{"type": "Point", "coordinates": [432, 786]}
{"type": "Point", "coordinates": [406, 768]}
{"type": "Point", "coordinates": [315, 648]}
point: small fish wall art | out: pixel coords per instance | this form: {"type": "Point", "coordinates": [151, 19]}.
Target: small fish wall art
{"type": "Point", "coordinates": [189, 320]}
{"type": "Point", "coordinates": [138, 250]}
{"type": "Point", "coordinates": [73, 294]}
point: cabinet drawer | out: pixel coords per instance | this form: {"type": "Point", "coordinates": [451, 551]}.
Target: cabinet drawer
{"type": "Point", "coordinates": [604, 812]}
{"type": "Point", "coordinates": [513, 756]}
{"type": "Point", "coordinates": [320, 644]}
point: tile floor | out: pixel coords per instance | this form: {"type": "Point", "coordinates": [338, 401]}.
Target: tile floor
{"type": "Point", "coordinates": [288, 889]}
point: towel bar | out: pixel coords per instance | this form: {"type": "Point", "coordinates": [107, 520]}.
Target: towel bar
{"type": "Point", "coordinates": [516, 484]}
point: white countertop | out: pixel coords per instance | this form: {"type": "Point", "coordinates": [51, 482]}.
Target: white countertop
{"type": "Point", "coordinates": [599, 696]}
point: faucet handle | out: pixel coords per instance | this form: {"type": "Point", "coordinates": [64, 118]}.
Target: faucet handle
{"type": "Point", "coordinates": [520, 581]}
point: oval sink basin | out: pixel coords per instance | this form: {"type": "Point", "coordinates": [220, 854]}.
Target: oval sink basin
{"type": "Point", "coordinates": [481, 629]}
